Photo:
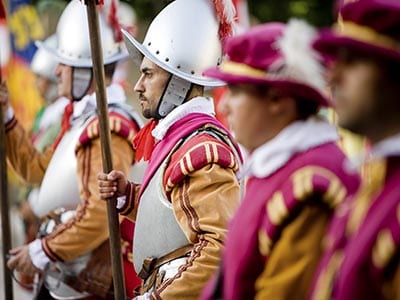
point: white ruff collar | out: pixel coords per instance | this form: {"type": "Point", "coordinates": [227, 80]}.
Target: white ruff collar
{"type": "Point", "coordinates": [115, 94]}
{"type": "Point", "coordinates": [387, 147]}
{"type": "Point", "coordinates": [295, 138]}
{"type": "Point", "coordinates": [195, 105]}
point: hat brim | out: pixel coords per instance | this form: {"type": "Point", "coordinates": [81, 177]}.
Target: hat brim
{"type": "Point", "coordinates": [288, 87]}
{"type": "Point", "coordinates": [137, 51]}
{"type": "Point", "coordinates": [80, 63]}
{"type": "Point", "coordinates": [330, 44]}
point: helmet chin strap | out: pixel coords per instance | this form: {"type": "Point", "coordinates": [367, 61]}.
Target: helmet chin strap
{"type": "Point", "coordinates": [81, 82]}
{"type": "Point", "coordinates": [175, 92]}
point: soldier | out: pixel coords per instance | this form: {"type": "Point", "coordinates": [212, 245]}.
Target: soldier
{"type": "Point", "coordinates": [296, 172]}
{"type": "Point", "coordinates": [190, 189]}
{"type": "Point", "coordinates": [362, 247]}
{"type": "Point", "coordinates": [67, 170]}
{"type": "Point", "coordinates": [48, 120]}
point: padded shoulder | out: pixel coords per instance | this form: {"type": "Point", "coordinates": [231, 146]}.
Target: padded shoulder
{"type": "Point", "coordinates": [119, 125]}
{"type": "Point", "coordinates": [199, 151]}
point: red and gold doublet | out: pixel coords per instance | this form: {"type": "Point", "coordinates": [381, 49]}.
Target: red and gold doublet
{"type": "Point", "coordinates": [88, 229]}
{"type": "Point", "coordinates": [199, 181]}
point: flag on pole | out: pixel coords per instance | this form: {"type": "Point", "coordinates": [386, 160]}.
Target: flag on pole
{"type": "Point", "coordinates": [25, 28]}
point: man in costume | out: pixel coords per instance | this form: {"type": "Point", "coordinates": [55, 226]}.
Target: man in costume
{"type": "Point", "coordinates": [296, 172]}
{"type": "Point", "coordinates": [76, 243]}
{"type": "Point", "coordinates": [362, 246]}
{"type": "Point", "coordinates": [45, 129]}
{"type": "Point", "coordinates": [190, 189]}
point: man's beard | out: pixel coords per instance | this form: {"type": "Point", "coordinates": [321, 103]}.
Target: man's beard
{"type": "Point", "coordinates": [148, 113]}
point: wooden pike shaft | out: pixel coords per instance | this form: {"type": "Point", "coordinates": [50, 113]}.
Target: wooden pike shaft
{"type": "Point", "coordinates": [105, 139]}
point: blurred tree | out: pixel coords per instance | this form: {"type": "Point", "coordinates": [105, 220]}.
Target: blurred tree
{"type": "Point", "coordinates": [49, 11]}
{"type": "Point", "coordinates": [317, 12]}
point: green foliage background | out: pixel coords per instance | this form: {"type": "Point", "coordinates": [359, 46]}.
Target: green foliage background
{"type": "Point", "coordinates": [317, 12]}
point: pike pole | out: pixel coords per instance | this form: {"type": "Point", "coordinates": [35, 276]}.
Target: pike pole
{"type": "Point", "coordinates": [105, 140]}
{"type": "Point", "coordinates": [4, 208]}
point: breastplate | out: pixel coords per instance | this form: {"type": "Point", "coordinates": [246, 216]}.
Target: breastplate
{"type": "Point", "coordinates": [157, 231]}
{"type": "Point", "coordinates": [59, 187]}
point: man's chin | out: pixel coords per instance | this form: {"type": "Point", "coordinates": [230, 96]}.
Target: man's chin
{"type": "Point", "coordinates": [147, 114]}
{"type": "Point", "coordinates": [350, 125]}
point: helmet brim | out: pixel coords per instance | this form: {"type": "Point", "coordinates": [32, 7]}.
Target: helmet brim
{"type": "Point", "coordinates": [137, 51]}
{"type": "Point", "coordinates": [83, 63]}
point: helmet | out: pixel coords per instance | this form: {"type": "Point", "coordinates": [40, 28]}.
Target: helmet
{"type": "Point", "coordinates": [73, 40]}
{"type": "Point", "coordinates": [44, 63]}
{"type": "Point", "coordinates": [183, 40]}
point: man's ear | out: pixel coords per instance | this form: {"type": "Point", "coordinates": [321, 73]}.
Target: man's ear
{"type": "Point", "coordinates": [279, 102]}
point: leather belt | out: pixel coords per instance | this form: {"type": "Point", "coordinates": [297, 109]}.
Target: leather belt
{"type": "Point", "coordinates": [150, 264]}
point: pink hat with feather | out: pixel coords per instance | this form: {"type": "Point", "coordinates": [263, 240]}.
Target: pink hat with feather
{"type": "Point", "coordinates": [276, 55]}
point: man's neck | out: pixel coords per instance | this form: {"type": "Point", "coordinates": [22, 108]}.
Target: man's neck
{"type": "Point", "coordinates": [380, 133]}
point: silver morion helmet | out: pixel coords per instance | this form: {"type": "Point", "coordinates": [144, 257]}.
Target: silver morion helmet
{"type": "Point", "coordinates": [73, 39]}
{"type": "Point", "coordinates": [183, 40]}
{"type": "Point", "coordinates": [43, 63]}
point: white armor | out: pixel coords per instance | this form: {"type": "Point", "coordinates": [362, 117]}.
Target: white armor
{"type": "Point", "coordinates": [54, 192]}
{"type": "Point", "coordinates": [155, 237]}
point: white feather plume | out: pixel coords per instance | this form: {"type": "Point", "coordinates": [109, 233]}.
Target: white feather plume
{"type": "Point", "coordinates": [229, 11]}
{"type": "Point", "coordinates": [300, 61]}
{"type": "Point", "coordinates": [226, 12]}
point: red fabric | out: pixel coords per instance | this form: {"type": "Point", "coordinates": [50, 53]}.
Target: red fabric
{"type": "Point", "coordinates": [2, 10]}
{"type": "Point", "coordinates": [218, 95]}
{"type": "Point", "coordinates": [98, 2]}
{"type": "Point", "coordinates": [113, 20]}
{"type": "Point", "coordinates": [132, 281]}
{"type": "Point", "coordinates": [65, 123]}
{"type": "Point", "coordinates": [225, 25]}
{"type": "Point", "coordinates": [144, 142]}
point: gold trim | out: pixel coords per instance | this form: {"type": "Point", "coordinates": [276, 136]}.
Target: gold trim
{"type": "Point", "coordinates": [235, 68]}
{"type": "Point", "coordinates": [276, 208]}
{"type": "Point", "coordinates": [264, 243]}
{"type": "Point", "coordinates": [383, 249]}
{"type": "Point", "coordinates": [365, 34]}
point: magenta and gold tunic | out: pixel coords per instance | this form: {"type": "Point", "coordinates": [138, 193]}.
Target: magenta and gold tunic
{"type": "Point", "coordinates": [361, 259]}
{"type": "Point", "coordinates": [274, 240]}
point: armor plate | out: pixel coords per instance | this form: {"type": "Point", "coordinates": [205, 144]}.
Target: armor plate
{"type": "Point", "coordinates": [59, 187]}
{"type": "Point", "coordinates": [157, 231]}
